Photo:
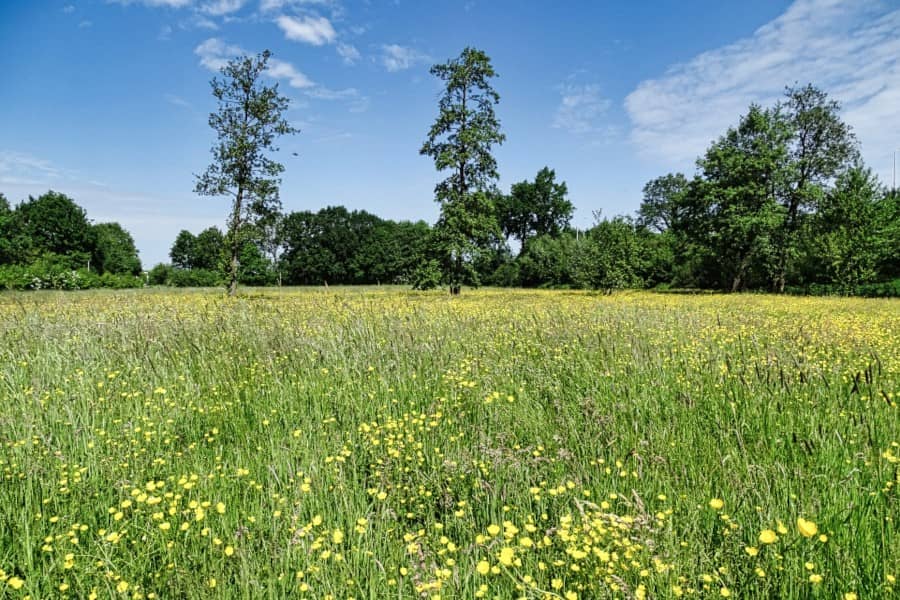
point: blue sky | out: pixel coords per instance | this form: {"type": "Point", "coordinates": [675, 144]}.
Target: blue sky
{"type": "Point", "coordinates": [107, 101]}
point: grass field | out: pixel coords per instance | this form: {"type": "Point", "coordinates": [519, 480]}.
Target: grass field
{"type": "Point", "coordinates": [388, 444]}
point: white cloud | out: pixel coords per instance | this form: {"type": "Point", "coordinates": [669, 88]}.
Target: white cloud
{"type": "Point", "coordinates": [69, 8]}
{"type": "Point", "coordinates": [280, 69]}
{"type": "Point", "coordinates": [217, 8]}
{"type": "Point", "coordinates": [348, 53]}
{"type": "Point", "coordinates": [849, 49]}
{"type": "Point", "coordinates": [398, 58]}
{"type": "Point", "coordinates": [579, 108]}
{"type": "Point", "coordinates": [85, 24]}
{"type": "Point", "coordinates": [215, 53]}
{"type": "Point", "coordinates": [308, 29]}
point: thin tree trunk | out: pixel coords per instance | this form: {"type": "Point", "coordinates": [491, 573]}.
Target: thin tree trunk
{"type": "Point", "coordinates": [235, 242]}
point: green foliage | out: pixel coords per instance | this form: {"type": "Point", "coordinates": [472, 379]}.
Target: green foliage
{"type": "Point", "coordinates": [460, 141]}
{"type": "Point", "coordinates": [662, 202]}
{"type": "Point", "coordinates": [535, 208]}
{"type": "Point", "coordinates": [733, 210]}
{"type": "Point", "coordinates": [182, 251]}
{"type": "Point", "coordinates": [115, 251]}
{"type": "Point", "coordinates": [255, 269]}
{"type": "Point", "coordinates": [247, 122]}
{"type": "Point", "coordinates": [850, 238]}
{"type": "Point", "coordinates": [159, 274]}
{"type": "Point", "coordinates": [548, 261]}
{"type": "Point", "coordinates": [6, 232]}
{"type": "Point", "coordinates": [427, 276]}
{"type": "Point", "coordinates": [209, 250]}
{"type": "Point", "coordinates": [194, 278]}
{"type": "Point", "coordinates": [56, 272]}
{"type": "Point", "coordinates": [609, 257]}
{"type": "Point", "coordinates": [51, 223]}
{"type": "Point", "coordinates": [337, 246]}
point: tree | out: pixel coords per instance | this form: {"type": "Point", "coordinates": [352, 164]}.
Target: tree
{"type": "Point", "coordinates": [734, 211]}
{"type": "Point", "coordinates": [460, 140]}
{"type": "Point", "coordinates": [182, 252]}
{"type": "Point", "coordinates": [6, 218]}
{"type": "Point", "coordinates": [662, 200]}
{"type": "Point", "coordinates": [535, 208]}
{"type": "Point", "coordinates": [208, 250]}
{"type": "Point", "coordinates": [115, 252]}
{"type": "Point", "coordinates": [821, 146]}
{"type": "Point", "coordinates": [609, 257]}
{"type": "Point", "coordinates": [270, 239]}
{"type": "Point", "coordinates": [52, 224]}
{"type": "Point", "coordinates": [247, 122]}
{"type": "Point", "coordinates": [851, 238]}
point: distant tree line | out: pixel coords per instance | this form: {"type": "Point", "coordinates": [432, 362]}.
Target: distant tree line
{"type": "Point", "coordinates": [781, 202]}
{"type": "Point", "coordinates": [49, 242]}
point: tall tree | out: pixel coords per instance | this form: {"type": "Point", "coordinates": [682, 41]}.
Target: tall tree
{"type": "Point", "coordinates": [535, 208]}
{"type": "Point", "coordinates": [115, 252]}
{"type": "Point", "coordinates": [734, 211]}
{"type": "Point", "coordinates": [460, 141]}
{"type": "Point", "coordinates": [821, 147]}
{"type": "Point", "coordinates": [248, 120]}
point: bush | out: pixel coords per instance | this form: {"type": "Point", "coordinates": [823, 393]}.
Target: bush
{"type": "Point", "coordinates": [427, 275]}
{"type": "Point", "coordinates": [885, 289]}
{"type": "Point", "coordinates": [159, 275]}
{"type": "Point", "coordinates": [53, 275]}
{"type": "Point", "coordinates": [194, 278]}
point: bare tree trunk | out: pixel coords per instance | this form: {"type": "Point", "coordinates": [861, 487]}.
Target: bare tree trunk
{"type": "Point", "coordinates": [235, 243]}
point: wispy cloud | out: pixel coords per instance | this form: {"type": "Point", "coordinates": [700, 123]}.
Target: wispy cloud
{"type": "Point", "coordinates": [348, 53]}
{"type": "Point", "coordinates": [155, 3]}
{"type": "Point", "coordinates": [218, 8]}
{"type": "Point", "coordinates": [308, 29]}
{"type": "Point", "coordinates": [69, 8]}
{"type": "Point", "coordinates": [580, 108]}
{"type": "Point", "coordinates": [849, 49]}
{"type": "Point", "coordinates": [85, 24]}
{"type": "Point", "coordinates": [398, 58]}
{"type": "Point", "coordinates": [177, 101]}
{"type": "Point", "coordinates": [333, 6]}
{"type": "Point", "coordinates": [280, 69]}
{"type": "Point", "coordinates": [215, 53]}
{"type": "Point", "coordinates": [20, 168]}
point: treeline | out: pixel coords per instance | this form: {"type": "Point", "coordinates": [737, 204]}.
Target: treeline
{"type": "Point", "coordinates": [333, 246]}
{"type": "Point", "coordinates": [49, 242]}
{"type": "Point", "coordinates": [781, 202]}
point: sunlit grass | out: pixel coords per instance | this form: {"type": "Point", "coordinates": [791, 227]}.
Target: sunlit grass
{"type": "Point", "coordinates": [388, 444]}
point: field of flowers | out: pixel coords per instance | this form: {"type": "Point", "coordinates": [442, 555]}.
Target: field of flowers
{"type": "Point", "coordinates": [390, 444]}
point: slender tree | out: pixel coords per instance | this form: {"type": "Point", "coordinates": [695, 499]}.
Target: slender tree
{"type": "Point", "coordinates": [248, 120]}
{"type": "Point", "coordinates": [460, 141]}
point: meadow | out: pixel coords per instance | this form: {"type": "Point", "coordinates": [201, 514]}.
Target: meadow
{"type": "Point", "coordinates": [381, 443]}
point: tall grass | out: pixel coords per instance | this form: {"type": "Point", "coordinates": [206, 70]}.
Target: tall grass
{"type": "Point", "coordinates": [388, 444]}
